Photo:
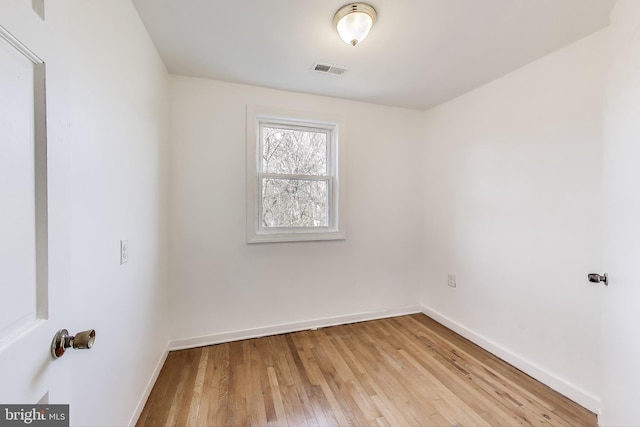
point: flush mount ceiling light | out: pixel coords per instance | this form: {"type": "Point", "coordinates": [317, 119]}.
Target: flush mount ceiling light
{"type": "Point", "coordinates": [354, 21]}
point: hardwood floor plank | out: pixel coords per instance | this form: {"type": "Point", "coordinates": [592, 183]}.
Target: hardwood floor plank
{"type": "Point", "coordinates": [196, 397]}
{"type": "Point", "coordinates": [236, 403]}
{"type": "Point", "coordinates": [281, 413]}
{"type": "Point", "coordinates": [209, 392]}
{"type": "Point", "coordinates": [255, 402]}
{"type": "Point", "coordinates": [218, 413]}
{"type": "Point", "coordinates": [404, 371]}
{"type": "Point", "coordinates": [184, 390]}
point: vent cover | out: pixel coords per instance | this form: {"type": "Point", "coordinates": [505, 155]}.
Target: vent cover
{"type": "Point", "coordinates": [329, 68]}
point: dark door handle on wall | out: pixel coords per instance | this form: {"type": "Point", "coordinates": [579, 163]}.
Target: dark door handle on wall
{"type": "Point", "coordinates": [596, 278]}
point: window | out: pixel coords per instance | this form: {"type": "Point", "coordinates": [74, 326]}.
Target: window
{"type": "Point", "coordinates": [293, 179]}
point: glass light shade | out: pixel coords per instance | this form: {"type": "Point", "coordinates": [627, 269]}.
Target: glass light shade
{"type": "Point", "coordinates": [354, 22]}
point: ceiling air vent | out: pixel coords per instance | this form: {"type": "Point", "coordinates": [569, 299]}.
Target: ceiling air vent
{"type": "Point", "coordinates": [329, 68]}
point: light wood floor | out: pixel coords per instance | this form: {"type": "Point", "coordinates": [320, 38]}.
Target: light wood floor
{"type": "Point", "coordinates": [406, 370]}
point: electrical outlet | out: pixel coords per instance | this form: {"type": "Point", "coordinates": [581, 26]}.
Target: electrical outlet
{"type": "Point", "coordinates": [452, 280]}
{"type": "Point", "coordinates": [124, 251]}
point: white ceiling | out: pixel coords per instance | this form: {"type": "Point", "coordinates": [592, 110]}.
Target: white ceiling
{"type": "Point", "coordinates": [420, 52]}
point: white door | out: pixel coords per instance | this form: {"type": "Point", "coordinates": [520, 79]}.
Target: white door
{"type": "Point", "coordinates": [621, 310]}
{"type": "Point", "coordinates": [34, 215]}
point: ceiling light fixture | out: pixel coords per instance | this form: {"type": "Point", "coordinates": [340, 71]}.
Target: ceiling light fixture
{"type": "Point", "coordinates": [354, 21]}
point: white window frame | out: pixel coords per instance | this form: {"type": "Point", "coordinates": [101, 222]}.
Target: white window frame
{"type": "Point", "coordinates": [257, 117]}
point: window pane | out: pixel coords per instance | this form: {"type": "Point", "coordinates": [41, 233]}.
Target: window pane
{"type": "Point", "coordinates": [294, 151]}
{"type": "Point", "coordinates": [294, 203]}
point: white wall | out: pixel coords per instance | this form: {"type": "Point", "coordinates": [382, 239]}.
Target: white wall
{"type": "Point", "coordinates": [220, 283]}
{"type": "Point", "coordinates": [501, 186]}
{"type": "Point", "coordinates": [512, 184]}
{"type": "Point", "coordinates": [117, 137]}
{"type": "Point", "coordinates": [621, 316]}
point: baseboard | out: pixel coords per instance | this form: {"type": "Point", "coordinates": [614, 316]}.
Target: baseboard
{"type": "Point", "coordinates": [557, 383]}
{"type": "Point", "coordinates": [148, 388]}
{"type": "Point", "coordinates": [289, 327]}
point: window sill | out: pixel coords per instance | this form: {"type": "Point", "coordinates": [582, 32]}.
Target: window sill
{"type": "Point", "coordinates": [279, 237]}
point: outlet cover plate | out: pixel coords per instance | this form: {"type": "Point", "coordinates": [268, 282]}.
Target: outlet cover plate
{"type": "Point", "coordinates": [452, 281]}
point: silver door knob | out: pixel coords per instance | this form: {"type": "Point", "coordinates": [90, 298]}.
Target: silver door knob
{"type": "Point", "coordinates": [596, 278]}
{"type": "Point", "coordinates": [62, 341]}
